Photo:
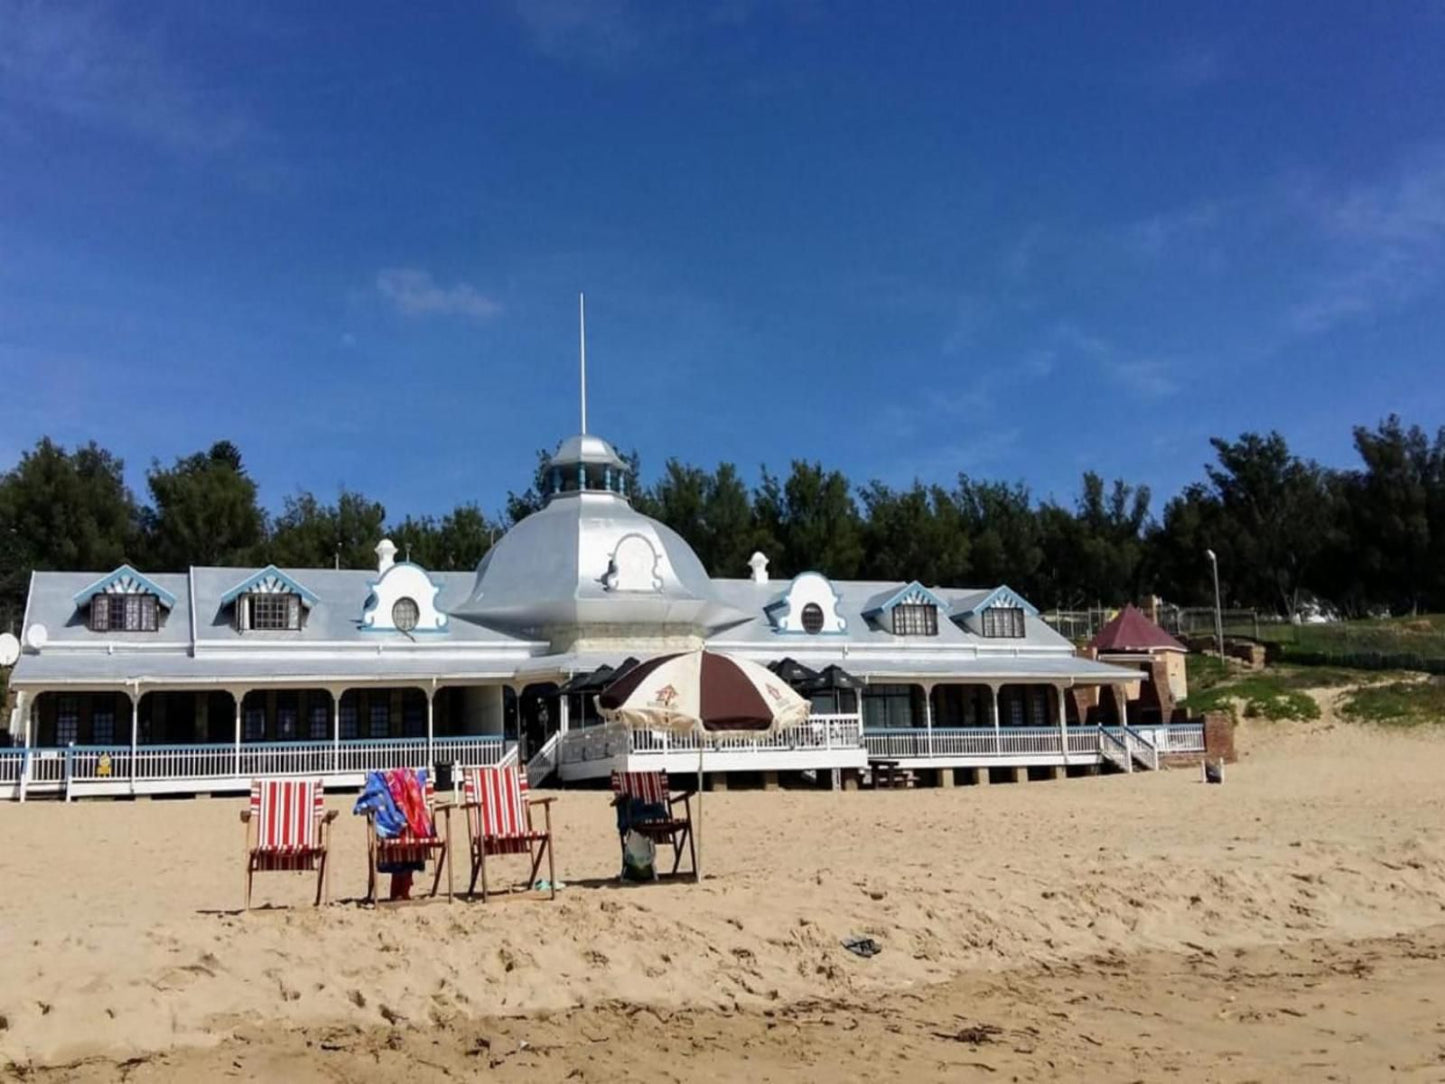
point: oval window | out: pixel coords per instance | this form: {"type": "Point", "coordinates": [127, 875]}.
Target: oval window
{"type": "Point", "coordinates": [812, 617]}
{"type": "Point", "coordinates": [404, 614]}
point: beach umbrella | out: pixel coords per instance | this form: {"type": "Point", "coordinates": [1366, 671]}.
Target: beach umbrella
{"type": "Point", "coordinates": [702, 693]}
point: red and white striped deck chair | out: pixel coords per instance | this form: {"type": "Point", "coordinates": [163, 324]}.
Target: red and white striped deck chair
{"type": "Point", "coordinates": [412, 849]}
{"type": "Point", "coordinates": [657, 817]}
{"type": "Point", "coordinates": [288, 828]}
{"type": "Point", "coordinates": [499, 822]}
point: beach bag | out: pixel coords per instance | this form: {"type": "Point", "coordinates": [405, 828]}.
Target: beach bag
{"type": "Point", "coordinates": [639, 857]}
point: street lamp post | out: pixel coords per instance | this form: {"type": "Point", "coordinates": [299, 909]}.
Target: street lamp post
{"type": "Point", "coordinates": [1218, 615]}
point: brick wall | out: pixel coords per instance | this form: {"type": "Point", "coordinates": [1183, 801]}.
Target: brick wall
{"type": "Point", "coordinates": [1219, 736]}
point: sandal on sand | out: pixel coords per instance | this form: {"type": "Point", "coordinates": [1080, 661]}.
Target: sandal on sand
{"type": "Point", "coordinates": [862, 946]}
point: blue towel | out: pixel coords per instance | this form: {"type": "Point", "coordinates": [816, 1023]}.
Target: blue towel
{"type": "Point", "coordinates": [636, 811]}
{"type": "Point", "coordinates": [375, 799]}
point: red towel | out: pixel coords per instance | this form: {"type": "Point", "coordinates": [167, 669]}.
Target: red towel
{"type": "Point", "coordinates": [410, 798]}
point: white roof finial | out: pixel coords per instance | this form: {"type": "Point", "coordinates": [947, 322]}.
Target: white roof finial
{"type": "Point", "coordinates": [582, 336]}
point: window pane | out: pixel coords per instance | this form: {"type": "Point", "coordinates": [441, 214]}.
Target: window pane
{"type": "Point", "coordinates": [67, 720]}
{"type": "Point", "coordinates": [346, 718]}
{"type": "Point", "coordinates": [102, 722]}
{"type": "Point", "coordinates": [380, 719]}
{"type": "Point", "coordinates": [271, 611]}
{"type": "Point", "coordinates": [253, 724]}
{"type": "Point", "coordinates": [319, 727]}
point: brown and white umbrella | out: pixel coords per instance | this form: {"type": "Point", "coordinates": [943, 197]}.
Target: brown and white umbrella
{"type": "Point", "coordinates": [702, 692]}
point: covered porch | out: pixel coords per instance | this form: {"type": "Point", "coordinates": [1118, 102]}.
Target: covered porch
{"type": "Point", "coordinates": [153, 739]}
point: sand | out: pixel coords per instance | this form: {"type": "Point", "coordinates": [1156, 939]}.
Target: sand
{"type": "Point", "coordinates": [1119, 927]}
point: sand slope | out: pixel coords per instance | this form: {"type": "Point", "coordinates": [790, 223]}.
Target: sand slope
{"type": "Point", "coordinates": [117, 939]}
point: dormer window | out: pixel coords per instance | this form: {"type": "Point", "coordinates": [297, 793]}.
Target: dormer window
{"type": "Point", "coordinates": [1003, 622]}
{"type": "Point", "coordinates": [269, 601]}
{"type": "Point", "coordinates": [812, 618]}
{"type": "Point", "coordinates": [272, 611]}
{"type": "Point", "coordinates": [915, 619]}
{"type": "Point", "coordinates": [909, 610]}
{"type": "Point", "coordinates": [124, 613]}
{"type": "Point", "coordinates": [124, 601]}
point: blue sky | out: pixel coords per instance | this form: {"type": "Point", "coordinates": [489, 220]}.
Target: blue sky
{"type": "Point", "coordinates": [1010, 240]}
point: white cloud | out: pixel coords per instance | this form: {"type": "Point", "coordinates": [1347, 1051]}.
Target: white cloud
{"type": "Point", "coordinates": [1384, 245]}
{"type": "Point", "coordinates": [1153, 237]}
{"type": "Point", "coordinates": [415, 293]}
{"type": "Point", "coordinates": [81, 63]}
{"type": "Point", "coordinates": [1147, 378]}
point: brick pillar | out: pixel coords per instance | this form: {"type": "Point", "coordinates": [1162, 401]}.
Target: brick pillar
{"type": "Point", "coordinates": [1219, 737]}
{"type": "Point", "coordinates": [945, 777]}
{"type": "Point", "coordinates": [717, 781]}
{"type": "Point", "coordinates": [770, 780]}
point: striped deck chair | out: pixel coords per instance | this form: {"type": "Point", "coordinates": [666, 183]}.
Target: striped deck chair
{"type": "Point", "coordinates": [410, 848]}
{"type": "Point", "coordinates": [288, 828]}
{"type": "Point", "coordinates": [661, 824]}
{"type": "Point", "coordinates": [499, 822]}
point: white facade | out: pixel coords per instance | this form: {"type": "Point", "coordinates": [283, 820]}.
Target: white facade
{"type": "Point", "coordinates": [339, 671]}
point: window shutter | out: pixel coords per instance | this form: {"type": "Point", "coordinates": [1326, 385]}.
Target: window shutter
{"type": "Point", "coordinates": [293, 611]}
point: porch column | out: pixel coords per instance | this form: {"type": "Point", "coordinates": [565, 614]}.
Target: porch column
{"type": "Point", "coordinates": [564, 707]}
{"type": "Point", "coordinates": [928, 712]}
{"type": "Point", "coordinates": [134, 694]}
{"type": "Point", "coordinates": [20, 708]}
{"type": "Point", "coordinates": [335, 695]}
{"type": "Point", "coordinates": [239, 695]}
{"type": "Point", "coordinates": [431, 692]}
{"type": "Point", "coordinates": [1122, 692]}
{"type": "Point", "coordinates": [993, 713]}
{"type": "Point", "coordinates": [1063, 722]}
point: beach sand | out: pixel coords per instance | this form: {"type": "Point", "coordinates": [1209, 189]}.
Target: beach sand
{"type": "Point", "coordinates": [1120, 927]}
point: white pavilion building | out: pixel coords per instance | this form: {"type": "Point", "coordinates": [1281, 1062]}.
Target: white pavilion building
{"type": "Point", "coordinates": [197, 681]}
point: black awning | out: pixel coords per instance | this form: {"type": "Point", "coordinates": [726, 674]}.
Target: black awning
{"type": "Point", "coordinates": [832, 678]}
{"type": "Point", "coordinates": [793, 672]}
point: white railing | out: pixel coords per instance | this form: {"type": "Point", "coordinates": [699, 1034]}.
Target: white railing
{"type": "Point", "coordinates": [821, 732]}
{"type": "Point", "coordinates": [1141, 749]}
{"type": "Point", "coordinates": [52, 769]}
{"type": "Point", "coordinates": [544, 763]}
{"type": "Point", "coordinates": [979, 742]}
{"type": "Point", "coordinates": [1175, 737]}
{"type": "Point", "coordinates": [1113, 749]}
{"type": "Point", "coordinates": [12, 765]}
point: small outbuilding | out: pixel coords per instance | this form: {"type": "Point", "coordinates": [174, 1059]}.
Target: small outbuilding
{"type": "Point", "coordinates": [1131, 639]}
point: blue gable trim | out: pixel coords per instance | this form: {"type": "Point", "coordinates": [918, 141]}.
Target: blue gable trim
{"type": "Point", "coordinates": [1002, 596]}
{"type": "Point", "coordinates": [308, 597]}
{"type": "Point", "coordinates": [125, 572]}
{"type": "Point", "coordinates": [913, 587]}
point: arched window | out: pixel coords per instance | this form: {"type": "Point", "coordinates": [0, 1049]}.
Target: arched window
{"type": "Point", "coordinates": [812, 618]}
{"type": "Point", "coordinates": [405, 613]}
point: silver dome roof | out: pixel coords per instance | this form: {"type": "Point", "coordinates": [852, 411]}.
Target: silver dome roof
{"type": "Point", "coordinates": [589, 558]}
{"type": "Point", "coordinates": [586, 448]}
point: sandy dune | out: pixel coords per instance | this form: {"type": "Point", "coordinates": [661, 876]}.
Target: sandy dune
{"type": "Point", "coordinates": [1095, 922]}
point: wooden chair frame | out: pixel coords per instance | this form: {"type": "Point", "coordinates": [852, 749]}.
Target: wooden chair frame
{"type": "Point", "coordinates": [320, 856]}
{"type": "Point", "coordinates": [437, 848]}
{"type": "Point", "coordinates": [674, 830]}
{"type": "Point", "coordinates": [539, 846]}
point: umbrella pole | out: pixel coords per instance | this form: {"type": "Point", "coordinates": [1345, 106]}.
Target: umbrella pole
{"type": "Point", "coordinates": [700, 738]}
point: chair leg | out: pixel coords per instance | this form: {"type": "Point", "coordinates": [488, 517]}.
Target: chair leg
{"type": "Point", "coordinates": [321, 880]}
{"type": "Point", "coordinates": [536, 857]}
{"type": "Point", "coordinates": [250, 875]}
{"type": "Point", "coordinates": [691, 847]}
{"type": "Point", "coordinates": [551, 867]}
{"type": "Point", "coordinates": [436, 881]}
{"type": "Point", "coordinates": [447, 851]}
{"type": "Point", "coordinates": [482, 865]}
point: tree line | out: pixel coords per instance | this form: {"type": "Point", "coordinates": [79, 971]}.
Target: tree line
{"type": "Point", "coordinates": [1366, 538]}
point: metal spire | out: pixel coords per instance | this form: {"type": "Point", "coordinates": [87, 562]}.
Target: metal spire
{"type": "Point", "coordinates": [582, 333]}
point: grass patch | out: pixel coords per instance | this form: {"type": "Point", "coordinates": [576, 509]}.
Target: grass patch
{"type": "Point", "coordinates": [1422, 637]}
{"type": "Point", "coordinates": [1397, 703]}
{"type": "Point", "coordinates": [1277, 693]}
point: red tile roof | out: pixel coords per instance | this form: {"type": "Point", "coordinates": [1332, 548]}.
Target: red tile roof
{"type": "Point", "coordinates": [1132, 631]}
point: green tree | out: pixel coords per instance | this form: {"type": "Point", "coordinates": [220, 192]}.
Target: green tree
{"type": "Point", "coordinates": [814, 520]}
{"type": "Point", "coordinates": [1003, 530]}
{"type": "Point", "coordinates": [62, 510]}
{"type": "Point", "coordinates": [309, 534]}
{"type": "Point", "coordinates": [913, 534]}
{"type": "Point", "coordinates": [203, 511]}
